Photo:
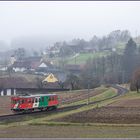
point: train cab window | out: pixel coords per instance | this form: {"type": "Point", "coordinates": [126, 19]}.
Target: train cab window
{"type": "Point", "coordinates": [49, 98]}
{"type": "Point", "coordinates": [42, 99]}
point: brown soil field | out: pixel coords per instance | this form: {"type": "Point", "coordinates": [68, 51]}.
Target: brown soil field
{"type": "Point", "coordinates": [126, 103]}
{"type": "Point", "coordinates": [5, 105]}
{"type": "Point", "coordinates": [121, 115]}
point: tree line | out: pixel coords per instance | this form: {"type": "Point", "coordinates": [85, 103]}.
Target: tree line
{"type": "Point", "coordinates": [115, 68]}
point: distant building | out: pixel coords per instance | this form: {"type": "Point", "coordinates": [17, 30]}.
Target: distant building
{"type": "Point", "coordinates": [30, 63]}
{"type": "Point", "coordinates": [12, 60]}
{"type": "Point", "coordinates": [50, 79]}
{"type": "Point", "coordinates": [75, 69]}
{"type": "Point", "coordinates": [12, 86]}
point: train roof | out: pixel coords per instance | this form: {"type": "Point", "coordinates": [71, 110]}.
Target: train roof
{"type": "Point", "coordinates": [30, 96]}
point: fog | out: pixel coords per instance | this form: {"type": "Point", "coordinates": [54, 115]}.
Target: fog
{"type": "Point", "coordinates": [58, 21]}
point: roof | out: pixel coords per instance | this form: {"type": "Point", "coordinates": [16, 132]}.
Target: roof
{"type": "Point", "coordinates": [45, 64]}
{"type": "Point", "coordinates": [31, 62]}
{"type": "Point", "coordinates": [38, 95]}
{"type": "Point", "coordinates": [22, 64]}
{"type": "Point", "coordinates": [22, 83]}
{"type": "Point", "coordinates": [50, 79]}
{"type": "Point", "coordinates": [15, 82]}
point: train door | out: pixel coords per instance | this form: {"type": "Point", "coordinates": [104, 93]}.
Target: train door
{"type": "Point", "coordinates": [43, 101]}
{"type": "Point", "coordinates": [36, 102]}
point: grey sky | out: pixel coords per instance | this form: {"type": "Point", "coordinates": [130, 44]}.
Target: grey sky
{"type": "Point", "coordinates": [67, 20]}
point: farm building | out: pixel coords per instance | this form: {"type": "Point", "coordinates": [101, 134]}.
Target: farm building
{"type": "Point", "coordinates": [19, 85]}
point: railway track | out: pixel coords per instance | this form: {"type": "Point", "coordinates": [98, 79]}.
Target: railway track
{"type": "Point", "coordinates": [19, 117]}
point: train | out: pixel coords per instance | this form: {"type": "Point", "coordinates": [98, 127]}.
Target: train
{"type": "Point", "coordinates": [30, 103]}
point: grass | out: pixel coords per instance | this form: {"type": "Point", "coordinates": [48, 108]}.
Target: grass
{"type": "Point", "coordinates": [83, 57]}
{"type": "Point", "coordinates": [69, 131]}
{"type": "Point", "coordinates": [107, 94]}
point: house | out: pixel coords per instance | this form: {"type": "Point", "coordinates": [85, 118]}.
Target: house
{"type": "Point", "coordinates": [75, 69]}
{"type": "Point", "coordinates": [30, 63]}
{"type": "Point", "coordinates": [21, 66]}
{"type": "Point", "coordinates": [50, 79]}
{"type": "Point", "coordinates": [45, 67]}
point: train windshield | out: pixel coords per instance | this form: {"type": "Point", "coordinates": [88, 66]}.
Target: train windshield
{"type": "Point", "coordinates": [15, 101]}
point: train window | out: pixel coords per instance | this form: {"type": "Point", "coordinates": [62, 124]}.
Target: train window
{"type": "Point", "coordinates": [36, 100]}
{"type": "Point", "coordinates": [22, 101]}
{"type": "Point", "coordinates": [29, 100]}
{"type": "Point", "coordinates": [49, 98]}
{"type": "Point", "coordinates": [39, 100]}
{"type": "Point", "coordinates": [42, 99]}
{"type": "Point", "coordinates": [53, 98]}
{"type": "Point", "coordinates": [32, 100]}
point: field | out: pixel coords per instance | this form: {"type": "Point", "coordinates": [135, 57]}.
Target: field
{"type": "Point", "coordinates": [115, 117]}
{"type": "Point", "coordinates": [83, 57]}
{"type": "Point", "coordinates": [68, 131]}
{"type": "Point", "coordinates": [5, 105]}
{"type": "Point", "coordinates": [112, 115]}
{"type": "Point", "coordinates": [124, 110]}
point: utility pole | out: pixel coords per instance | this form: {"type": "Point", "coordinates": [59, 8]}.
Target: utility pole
{"type": "Point", "coordinates": [88, 92]}
{"type": "Point", "coordinates": [123, 77]}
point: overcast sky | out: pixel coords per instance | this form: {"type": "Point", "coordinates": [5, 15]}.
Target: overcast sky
{"type": "Point", "coordinates": [67, 20]}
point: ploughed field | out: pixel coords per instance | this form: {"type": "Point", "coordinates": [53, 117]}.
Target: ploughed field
{"type": "Point", "coordinates": [123, 112]}
{"type": "Point", "coordinates": [5, 105]}
{"type": "Point", "coordinates": [65, 98]}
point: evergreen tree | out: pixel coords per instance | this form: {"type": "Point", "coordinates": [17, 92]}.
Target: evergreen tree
{"type": "Point", "coordinates": [129, 59]}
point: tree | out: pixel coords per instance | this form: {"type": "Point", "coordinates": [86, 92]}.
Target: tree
{"type": "Point", "coordinates": [35, 53]}
{"type": "Point", "coordinates": [20, 54]}
{"type": "Point", "coordinates": [73, 81]}
{"type": "Point", "coordinates": [129, 59]}
{"type": "Point", "coordinates": [135, 82]}
{"type": "Point", "coordinates": [39, 83]}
